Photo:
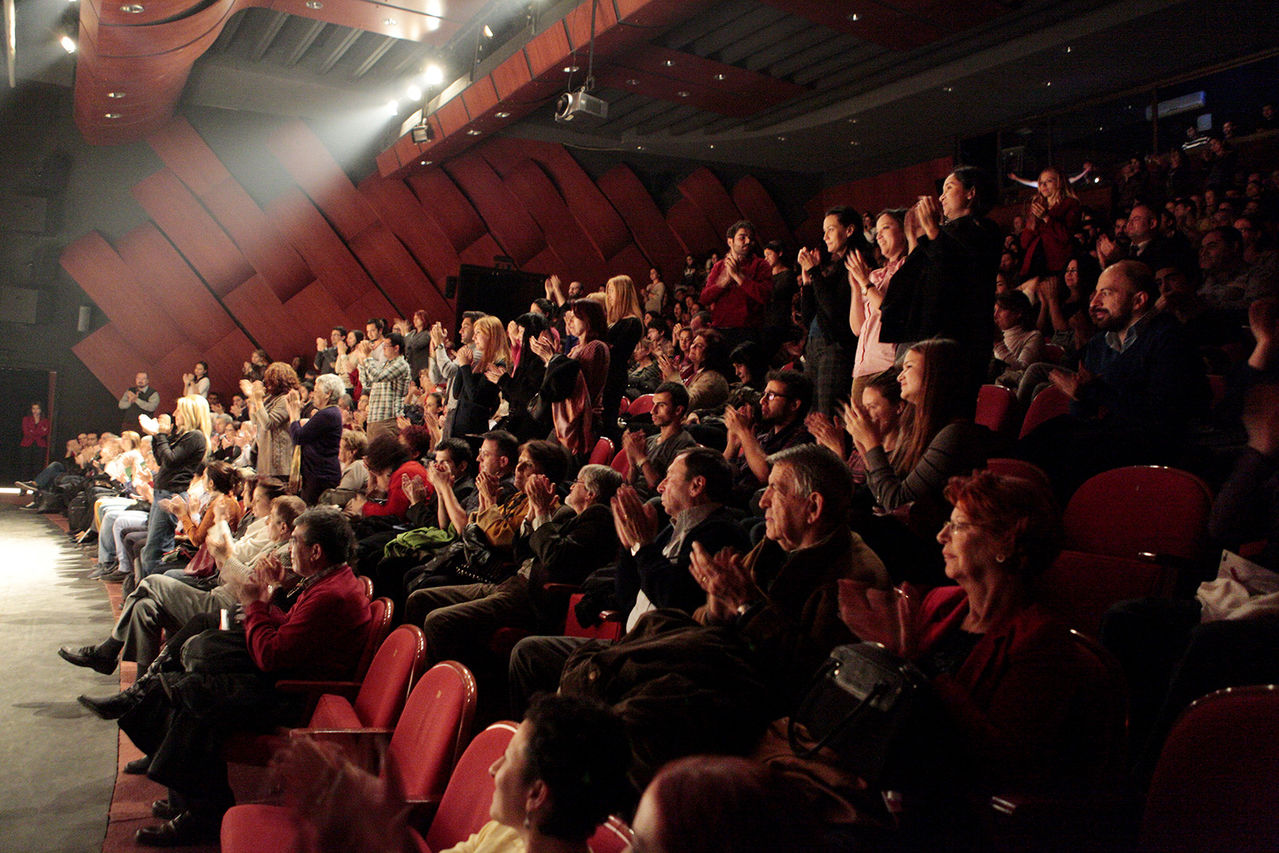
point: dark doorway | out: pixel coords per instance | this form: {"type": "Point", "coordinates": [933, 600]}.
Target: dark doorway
{"type": "Point", "coordinates": [18, 390]}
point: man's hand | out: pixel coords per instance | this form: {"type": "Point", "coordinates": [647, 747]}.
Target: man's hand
{"type": "Point", "coordinates": [1070, 383]}
{"type": "Point", "coordinates": [1107, 250]}
{"type": "Point", "coordinates": [321, 345]}
{"type": "Point", "coordinates": [738, 421]}
{"type": "Point", "coordinates": [486, 486]}
{"type": "Point", "coordinates": [636, 522]}
{"type": "Point", "coordinates": [727, 582]}
{"type": "Point", "coordinates": [636, 446]}
{"type": "Point", "coordinates": [439, 477]}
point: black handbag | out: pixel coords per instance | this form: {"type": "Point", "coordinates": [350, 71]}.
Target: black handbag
{"type": "Point", "coordinates": [468, 559]}
{"type": "Point", "coordinates": [860, 705]}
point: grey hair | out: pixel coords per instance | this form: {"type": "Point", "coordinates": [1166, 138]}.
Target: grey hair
{"type": "Point", "coordinates": [817, 469]}
{"type": "Point", "coordinates": [601, 481]}
{"type": "Point", "coordinates": [332, 386]}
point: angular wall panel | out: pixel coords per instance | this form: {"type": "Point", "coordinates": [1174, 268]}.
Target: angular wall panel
{"type": "Point", "coordinates": [652, 234]}
{"type": "Point", "coordinates": [508, 221]}
{"type": "Point", "coordinates": [704, 190]}
{"type": "Point", "coordinates": [758, 206]}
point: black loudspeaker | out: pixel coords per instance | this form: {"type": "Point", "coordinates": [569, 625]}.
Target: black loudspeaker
{"type": "Point", "coordinates": [505, 293]}
{"type": "Point", "coordinates": [450, 287]}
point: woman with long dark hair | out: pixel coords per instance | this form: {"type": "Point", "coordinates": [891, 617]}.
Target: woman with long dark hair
{"type": "Point", "coordinates": [574, 383]}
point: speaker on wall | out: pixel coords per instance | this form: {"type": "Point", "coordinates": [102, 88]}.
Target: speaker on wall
{"type": "Point", "coordinates": [85, 319]}
{"type": "Point", "coordinates": [450, 287]}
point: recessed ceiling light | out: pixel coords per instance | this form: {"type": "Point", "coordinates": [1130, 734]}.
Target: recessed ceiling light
{"type": "Point", "coordinates": [852, 121]}
{"type": "Point", "coordinates": [68, 44]}
{"type": "Point", "coordinates": [571, 69]}
{"type": "Point", "coordinates": [712, 145]}
{"type": "Point", "coordinates": [669, 63]}
{"type": "Point", "coordinates": [392, 108]}
{"type": "Point", "coordinates": [434, 75]}
{"type": "Point", "coordinates": [853, 142]}
{"type": "Point", "coordinates": [639, 147]}
{"type": "Point", "coordinates": [488, 33]}
{"type": "Point", "coordinates": [474, 132]}
{"type": "Point", "coordinates": [720, 77]}
{"type": "Point", "coordinates": [427, 162]}
{"type": "Point", "coordinates": [1049, 83]}
{"type": "Point", "coordinates": [1069, 49]}
{"type": "Point", "coordinates": [948, 88]}
{"type": "Point", "coordinates": [115, 95]}
{"type": "Point", "coordinates": [854, 17]}
{"type": "Point", "coordinates": [632, 82]}
{"type": "Point", "coordinates": [110, 115]}
{"type": "Point", "coordinates": [314, 4]}
{"type": "Point", "coordinates": [502, 114]}
{"type": "Point", "coordinates": [781, 139]}
{"type": "Point", "coordinates": [390, 22]}
{"type": "Point", "coordinates": [682, 93]}
{"type": "Point", "coordinates": [413, 93]}
{"type": "Point", "coordinates": [133, 8]}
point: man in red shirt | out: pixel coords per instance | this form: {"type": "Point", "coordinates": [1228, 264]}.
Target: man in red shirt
{"type": "Point", "coordinates": [738, 287]}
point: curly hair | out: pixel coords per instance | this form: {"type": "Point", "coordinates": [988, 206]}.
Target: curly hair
{"type": "Point", "coordinates": [279, 378]}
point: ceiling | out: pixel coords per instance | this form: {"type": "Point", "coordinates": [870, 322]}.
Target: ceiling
{"type": "Point", "coordinates": [839, 87]}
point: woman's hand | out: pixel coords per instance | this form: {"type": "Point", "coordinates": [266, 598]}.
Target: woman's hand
{"type": "Point", "coordinates": [293, 403]}
{"type": "Point", "coordinates": [928, 213]}
{"type": "Point", "coordinates": [825, 431]}
{"type": "Point", "coordinates": [1038, 207]}
{"type": "Point", "coordinates": [808, 258]}
{"type": "Point", "coordinates": [670, 372]}
{"type": "Point", "coordinates": [541, 494]}
{"type": "Point", "coordinates": [858, 270]}
{"type": "Point", "coordinates": [414, 489]}
{"type": "Point", "coordinates": [494, 373]}
{"type": "Point", "coordinates": [878, 615]}
{"type": "Point", "coordinates": [465, 356]}
{"type": "Point", "coordinates": [188, 378]}
{"type": "Point", "coordinates": [246, 387]}
{"type": "Point", "coordinates": [857, 422]}
{"type": "Point", "coordinates": [164, 424]}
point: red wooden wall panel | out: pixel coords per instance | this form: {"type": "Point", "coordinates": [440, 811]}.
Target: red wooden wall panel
{"type": "Point", "coordinates": [758, 206]}
{"type": "Point", "coordinates": [264, 315]}
{"type": "Point", "coordinates": [693, 230]}
{"type": "Point", "coordinates": [319, 312]}
{"type": "Point", "coordinates": [323, 250]}
{"type": "Point", "coordinates": [257, 236]}
{"type": "Point", "coordinates": [481, 252]}
{"type": "Point", "coordinates": [538, 195]}
{"type": "Point", "coordinates": [652, 235]}
{"type": "Point", "coordinates": [508, 222]}
{"type": "Point", "coordinates": [166, 278]}
{"type": "Point", "coordinates": [111, 357]}
{"type": "Point", "coordinates": [445, 204]}
{"type": "Point", "coordinates": [109, 281]}
{"type": "Point", "coordinates": [309, 163]}
{"type": "Point", "coordinates": [396, 273]}
{"type": "Point", "coordinates": [188, 157]}
{"type": "Point", "coordinates": [547, 262]}
{"type": "Point", "coordinates": [226, 363]}
{"type": "Point", "coordinates": [403, 214]}
{"type": "Point", "coordinates": [204, 244]}
{"type": "Point", "coordinates": [630, 261]}
{"type": "Point", "coordinates": [703, 189]}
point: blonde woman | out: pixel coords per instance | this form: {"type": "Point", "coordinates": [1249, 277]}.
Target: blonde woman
{"type": "Point", "coordinates": [625, 328]}
{"type": "Point", "coordinates": [482, 364]}
{"type": "Point", "coordinates": [180, 445]}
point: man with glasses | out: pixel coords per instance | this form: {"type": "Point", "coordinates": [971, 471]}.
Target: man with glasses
{"type": "Point", "coordinates": [783, 406]}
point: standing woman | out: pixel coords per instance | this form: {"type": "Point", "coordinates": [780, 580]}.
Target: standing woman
{"type": "Point", "coordinates": [197, 382]}
{"type": "Point", "coordinates": [869, 287]}
{"type": "Point", "coordinates": [271, 417]}
{"type": "Point", "coordinates": [481, 366]}
{"type": "Point", "coordinates": [521, 385]}
{"type": "Point", "coordinates": [574, 383]}
{"type": "Point", "coordinates": [1054, 217]}
{"type": "Point", "coordinates": [625, 328]}
{"type": "Point", "coordinates": [417, 344]}
{"type": "Point", "coordinates": [179, 447]}
{"type": "Point", "coordinates": [946, 285]}
{"type": "Point", "coordinates": [824, 297]}
{"type": "Point", "coordinates": [35, 442]}
{"type": "Point", "coordinates": [319, 436]}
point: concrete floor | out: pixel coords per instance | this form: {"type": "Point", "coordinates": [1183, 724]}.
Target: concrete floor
{"type": "Point", "coordinates": [58, 761]}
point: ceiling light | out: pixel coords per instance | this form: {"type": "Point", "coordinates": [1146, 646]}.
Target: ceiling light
{"type": "Point", "coordinates": [423, 162]}
{"type": "Point", "coordinates": [682, 93]}
{"type": "Point", "coordinates": [413, 93]}
{"type": "Point", "coordinates": [314, 4]}
{"type": "Point", "coordinates": [781, 139]}
{"type": "Point", "coordinates": [720, 77]}
{"type": "Point", "coordinates": [571, 69]}
{"type": "Point", "coordinates": [474, 132]}
{"type": "Point", "coordinates": [1069, 48]}
{"type": "Point", "coordinates": [639, 147]}
{"type": "Point", "coordinates": [434, 75]}
{"type": "Point", "coordinates": [115, 95]}
{"type": "Point", "coordinates": [854, 17]}
{"type": "Point", "coordinates": [133, 8]}
{"type": "Point", "coordinates": [110, 115]}
{"type": "Point", "coordinates": [488, 33]}
{"type": "Point", "coordinates": [948, 88]}
{"type": "Point", "coordinates": [852, 121]}
{"type": "Point", "coordinates": [853, 142]}
{"type": "Point", "coordinates": [390, 22]}
{"type": "Point", "coordinates": [1049, 83]}
{"type": "Point", "coordinates": [68, 44]}
{"type": "Point", "coordinates": [712, 146]}
{"type": "Point", "coordinates": [632, 82]}
{"type": "Point", "coordinates": [502, 114]}
{"type": "Point", "coordinates": [669, 63]}
{"type": "Point", "coordinates": [392, 108]}
{"type": "Point", "coordinates": [433, 22]}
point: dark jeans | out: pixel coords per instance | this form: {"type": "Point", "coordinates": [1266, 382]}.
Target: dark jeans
{"type": "Point", "coordinates": [46, 477]}
{"type": "Point", "coordinates": [161, 525]}
{"type": "Point", "coordinates": [536, 665]}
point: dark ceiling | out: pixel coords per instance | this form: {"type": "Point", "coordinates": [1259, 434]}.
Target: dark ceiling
{"type": "Point", "coordinates": [839, 87]}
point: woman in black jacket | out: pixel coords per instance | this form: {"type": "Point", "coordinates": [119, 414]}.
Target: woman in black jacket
{"type": "Point", "coordinates": [179, 446]}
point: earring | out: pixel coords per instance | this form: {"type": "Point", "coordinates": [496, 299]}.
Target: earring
{"type": "Point", "coordinates": [999, 558]}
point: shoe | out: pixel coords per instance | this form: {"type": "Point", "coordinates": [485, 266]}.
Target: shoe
{"type": "Point", "coordinates": [138, 766]}
{"type": "Point", "coordinates": [164, 810]}
{"type": "Point", "coordinates": [26, 484]}
{"type": "Point", "coordinates": [102, 570]}
{"type": "Point", "coordinates": [31, 507]}
{"type": "Point", "coordinates": [116, 575]}
{"type": "Point", "coordinates": [88, 656]}
{"type": "Point", "coordinates": [110, 707]}
{"type": "Point", "coordinates": [183, 830]}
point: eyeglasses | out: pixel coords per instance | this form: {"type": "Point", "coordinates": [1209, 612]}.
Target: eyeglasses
{"type": "Point", "coordinates": [959, 526]}
{"type": "Point", "coordinates": [769, 395]}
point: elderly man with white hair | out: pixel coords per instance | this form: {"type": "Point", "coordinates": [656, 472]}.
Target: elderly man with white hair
{"type": "Point", "coordinates": [318, 436]}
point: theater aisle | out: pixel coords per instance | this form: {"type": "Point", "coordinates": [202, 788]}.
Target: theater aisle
{"type": "Point", "coordinates": [58, 760]}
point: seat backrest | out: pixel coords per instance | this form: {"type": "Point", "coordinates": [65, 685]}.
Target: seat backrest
{"type": "Point", "coordinates": [386, 685]}
{"type": "Point", "coordinates": [1047, 404]}
{"type": "Point", "coordinates": [1054, 353]}
{"type": "Point", "coordinates": [1082, 586]}
{"type": "Point", "coordinates": [368, 586]}
{"type": "Point", "coordinates": [598, 631]}
{"type": "Point", "coordinates": [995, 407]}
{"type": "Point", "coordinates": [1140, 509]}
{"type": "Point", "coordinates": [612, 836]}
{"type": "Point", "coordinates": [465, 806]}
{"type": "Point", "coordinates": [1214, 784]}
{"type": "Point", "coordinates": [429, 736]}
{"type": "Point", "coordinates": [381, 611]}
{"type": "Point", "coordinates": [1010, 467]}
{"type": "Point", "coordinates": [621, 463]}
{"type": "Point", "coordinates": [602, 453]}
{"type": "Point", "coordinates": [641, 405]}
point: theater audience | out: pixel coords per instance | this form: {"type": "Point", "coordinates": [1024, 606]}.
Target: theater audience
{"type": "Point", "coordinates": [738, 286]}
{"type": "Point", "coordinates": [574, 383]}
{"type": "Point", "coordinates": [180, 445]}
